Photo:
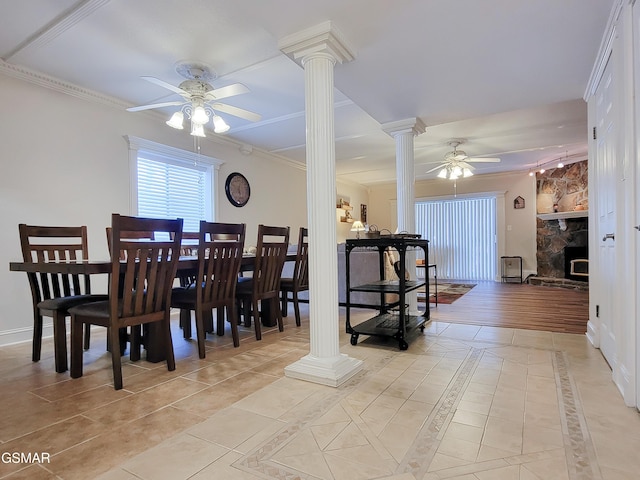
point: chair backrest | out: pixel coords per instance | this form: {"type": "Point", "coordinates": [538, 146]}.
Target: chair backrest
{"type": "Point", "coordinates": [189, 247]}
{"type": "Point", "coordinates": [132, 236]}
{"type": "Point", "coordinates": [271, 252]}
{"type": "Point", "coordinates": [143, 287]}
{"type": "Point", "coordinates": [301, 269]}
{"type": "Point", "coordinates": [219, 257]}
{"type": "Point", "coordinates": [55, 244]}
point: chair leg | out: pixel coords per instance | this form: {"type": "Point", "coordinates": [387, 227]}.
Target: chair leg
{"type": "Point", "coordinates": [76, 347]}
{"type": "Point", "coordinates": [278, 316]}
{"type": "Point", "coordinates": [200, 333]}
{"type": "Point", "coordinates": [220, 323]}
{"type": "Point", "coordinates": [185, 322]}
{"type": "Point", "coordinates": [37, 336]}
{"type": "Point", "coordinates": [246, 312]}
{"type": "Point", "coordinates": [207, 320]}
{"type": "Point", "coordinates": [171, 359]}
{"type": "Point", "coordinates": [256, 320]}
{"type": "Point", "coordinates": [284, 302]}
{"type": "Point", "coordinates": [87, 336]}
{"type": "Point", "coordinates": [296, 307]}
{"type": "Point", "coordinates": [116, 359]}
{"type": "Point", "coordinates": [135, 342]}
{"type": "Point", "coordinates": [233, 320]}
{"type": "Point", "coordinates": [60, 341]}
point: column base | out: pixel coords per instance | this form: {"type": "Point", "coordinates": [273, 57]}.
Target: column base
{"type": "Point", "coordinates": [332, 371]}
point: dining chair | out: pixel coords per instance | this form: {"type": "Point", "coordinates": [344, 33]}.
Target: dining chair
{"type": "Point", "coordinates": [299, 282]}
{"type": "Point", "coordinates": [219, 256]}
{"type": "Point", "coordinates": [188, 248]}
{"type": "Point", "coordinates": [263, 287]}
{"type": "Point", "coordinates": [131, 236]}
{"type": "Point", "coordinates": [139, 289]}
{"type": "Point", "coordinates": [134, 338]}
{"type": "Point", "coordinates": [54, 294]}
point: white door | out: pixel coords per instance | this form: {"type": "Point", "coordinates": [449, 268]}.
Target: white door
{"type": "Point", "coordinates": [605, 176]}
{"type": "Point", "coordinates": [636, 67]}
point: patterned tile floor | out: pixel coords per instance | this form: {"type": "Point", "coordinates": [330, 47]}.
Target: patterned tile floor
{"type": "Point", "coordinates": [462, 403]}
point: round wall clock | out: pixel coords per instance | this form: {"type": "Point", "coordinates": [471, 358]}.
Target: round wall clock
{"type": "Point", "coordinates": [237, 189]}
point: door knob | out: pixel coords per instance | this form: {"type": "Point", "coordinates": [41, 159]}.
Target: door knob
{"type": "Point", "coordinates": [608, 236]}
{"type": "Point", "coordinates": [637, 227]}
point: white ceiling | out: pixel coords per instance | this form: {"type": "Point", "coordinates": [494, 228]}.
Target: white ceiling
{"type": "Point", "coordinates": [506, 75]}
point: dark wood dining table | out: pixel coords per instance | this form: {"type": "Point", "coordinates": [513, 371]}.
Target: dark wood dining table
{"type": "Point", "coordinates": [154, 347]}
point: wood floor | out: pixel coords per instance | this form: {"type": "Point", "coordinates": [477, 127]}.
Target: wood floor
{"type": "Point", "coordinates": [513, 305]}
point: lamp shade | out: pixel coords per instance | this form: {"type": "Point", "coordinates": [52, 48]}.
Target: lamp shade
{"type": "Point", "coordinates": [176, 121]}
{"type": "Point", "coordinates": [197, 130]}
{"type": "Point", "coordinates": [357, 227]}
{"type": "Point", "coordinates": [219, 125]}
{"type": "Point", "coordinates": [199, 116]}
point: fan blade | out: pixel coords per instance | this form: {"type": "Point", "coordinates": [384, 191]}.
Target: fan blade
{"type": "Point", "coordinates": [464, 164]}
{"type": "Point", "coordinates": [482, 159]}
{"type": "Point", "coordinates": [154, 105]}
{"type": "Point", "coordinates": [439, 167]}
{"type": "Point", "coordinates": [236, 112]}
{"type": "Point", "coordinates": [166, 85]}
{"type": "Point", "coordinates": [226, 92]}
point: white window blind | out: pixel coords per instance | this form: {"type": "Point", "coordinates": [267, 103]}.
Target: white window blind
{"type": "Point", "coordinates": [462, 237]}
{"type": "Point", "coordinates": [168, 190]}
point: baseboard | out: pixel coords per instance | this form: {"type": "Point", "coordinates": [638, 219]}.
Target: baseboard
{"type": "Point", "coordinates": [593, 334]}
{"type": "Point", "coordinates": [623, 380]}
{"type": "Point", "coordinates": [21, 335]}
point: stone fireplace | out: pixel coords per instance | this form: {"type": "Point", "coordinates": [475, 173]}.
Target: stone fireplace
{"type": "Point", "coordinates": [553, 244]}
{"type": "Point", "coordinates": [562, 225]}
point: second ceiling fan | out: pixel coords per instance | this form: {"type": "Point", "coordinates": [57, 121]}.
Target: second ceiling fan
{"type": "Point", "coordinates": [457, 163]}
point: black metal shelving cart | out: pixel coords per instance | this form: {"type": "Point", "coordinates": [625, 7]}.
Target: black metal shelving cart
{"type": "Point", "coordinates": [392, 319]}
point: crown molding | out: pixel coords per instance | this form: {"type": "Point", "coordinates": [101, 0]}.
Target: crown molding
{"type": "Point", "coordinates": [52, 83]}
{"type": "Point", "coordinates": [58, 26]}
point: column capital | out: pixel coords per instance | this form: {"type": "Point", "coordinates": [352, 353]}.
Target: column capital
{"type": "Point", "coordinates": [322, 38]}
{"type": "Point", "coordinates": [409, 125]}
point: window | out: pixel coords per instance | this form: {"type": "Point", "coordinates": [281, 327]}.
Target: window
{"type": "Point", "coordinates": [172, 183]}
{"type": "Point", "coordinates": [462, 236]}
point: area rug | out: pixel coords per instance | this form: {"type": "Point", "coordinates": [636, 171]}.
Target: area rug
{"type": "Point", "coordinates": [447, 292]}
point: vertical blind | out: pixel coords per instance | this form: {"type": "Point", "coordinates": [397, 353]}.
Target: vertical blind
{"type": "Point", "coordinates": [167, 190]}
{"type": "Point", "coordinates": [462, 237]}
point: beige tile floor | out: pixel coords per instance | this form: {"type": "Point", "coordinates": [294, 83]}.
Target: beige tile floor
{"type": "Point", "coordinates": [462, 403]}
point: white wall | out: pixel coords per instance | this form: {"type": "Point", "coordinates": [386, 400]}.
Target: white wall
{"type": "Point", "coordinates": [65, 162]}
{"type": "Point", "coordinates": [519, 226]}
{"type": "Point", "coordinates": [357, 195]}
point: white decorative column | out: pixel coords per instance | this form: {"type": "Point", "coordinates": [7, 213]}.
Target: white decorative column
{"type": "Point", "coordinates": [404, 131]}
{"type": "Point", "coordinates": [318, 49]}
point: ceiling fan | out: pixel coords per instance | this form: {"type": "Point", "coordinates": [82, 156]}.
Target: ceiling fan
{"type": "Point", "coordinates": [456, 163]}
{"type": "Point", "coordinates": [200, 101]}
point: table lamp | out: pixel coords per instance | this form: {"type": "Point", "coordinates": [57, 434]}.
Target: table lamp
{"type": "Point", "coordinates": [357, 227]}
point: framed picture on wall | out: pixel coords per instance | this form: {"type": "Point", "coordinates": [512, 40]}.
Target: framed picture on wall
{"type": "Point", "coordinates": [518, 202]}
{"type": "Point", "coordinates": [363, 213]}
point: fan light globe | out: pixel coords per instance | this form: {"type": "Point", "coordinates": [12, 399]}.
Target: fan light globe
{"type": "Point", "coordinates": [219, 125]}
{"type": "Point", "coordinates": [467, 173]}
{"type": "Point", "coordinates": [457, 171]}
{"type": "Point", "coordinates": [199, 116]}
{"type": "Point", "coordinates": [176, 121]}
{"type": "Point", "coordinates": [443, 173]}
{"type": "Point", "coordinates": [197, 130]}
